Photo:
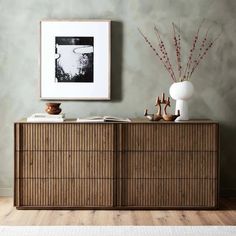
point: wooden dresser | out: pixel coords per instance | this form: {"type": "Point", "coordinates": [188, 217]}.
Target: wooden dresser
{"type": "Point", "coordinates": [137, 165]}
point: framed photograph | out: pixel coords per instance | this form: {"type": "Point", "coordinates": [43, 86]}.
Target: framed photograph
{"type": "Point", "coordinates": [75, 60]}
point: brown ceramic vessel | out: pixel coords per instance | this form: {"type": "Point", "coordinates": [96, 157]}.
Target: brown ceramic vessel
{"type": "Point", "coordinates": [53, 108]}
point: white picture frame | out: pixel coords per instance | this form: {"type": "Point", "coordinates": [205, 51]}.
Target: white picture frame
{"type": "Point", "coordinates": [75, 59]}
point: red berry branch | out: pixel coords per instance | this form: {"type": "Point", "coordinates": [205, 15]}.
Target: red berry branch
{"type": "Point", "coordinates": [164, 52]}
{"type": "Point", "coordinates": [158, 55]}
{"type": "Point", "coordinates": [206, 50]}
{"type": "Point", "coordinates": [177, 50]}
{"type": "Point", "coordinates": [195, 40]}
{"type": "Point", "coordinates": [201, 48]}
{"type": "Point", "coordinates": [196, 53]}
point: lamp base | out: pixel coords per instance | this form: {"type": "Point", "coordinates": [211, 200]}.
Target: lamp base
{"type": "Point", "coordinates": [182, 106]}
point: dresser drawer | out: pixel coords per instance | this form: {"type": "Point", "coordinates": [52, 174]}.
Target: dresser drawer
{"type": "Point", "coordinates": [65, 164]}
{"type": "Point", "coordinates": [169, 137]}
{"type": "Point", "coordinates": [169, 192]}
{"type": "Point", "coordinates": [65, 192]}
{"type": "Point", "coordinates": [168, 164]}
{"type": "Point", "coordinates": [64, 137]}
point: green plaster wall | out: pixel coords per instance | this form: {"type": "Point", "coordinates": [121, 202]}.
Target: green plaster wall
{"type": "Point", "coordinates": [137, 76]}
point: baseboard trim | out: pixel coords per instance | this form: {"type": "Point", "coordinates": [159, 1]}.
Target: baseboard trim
{"type": "Point", "coordinates": [228, 192]}
{"type": "Point", "coordinates": [6, 192]}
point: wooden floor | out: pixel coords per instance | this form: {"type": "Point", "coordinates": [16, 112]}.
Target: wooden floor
{"type": "Point", "coordinates": [10, 216]}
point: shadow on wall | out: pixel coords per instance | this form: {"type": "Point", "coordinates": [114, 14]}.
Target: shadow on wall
{"type": "Point", "coordinates": [116, 60]}
{"type": "Point", "coordinates": [227, 160]}
{"type": "Point", "coordinates": [116, 64]}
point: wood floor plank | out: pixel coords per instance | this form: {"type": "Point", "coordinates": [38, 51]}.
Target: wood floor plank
{"type": "Point", "coordinates": [9, 215]}
{"type": "Point", "coordinates": [191, 218]}
{"type": "Point", "coordinates": [161, 217]}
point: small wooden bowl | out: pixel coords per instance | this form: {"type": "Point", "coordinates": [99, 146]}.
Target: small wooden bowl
{"type": "Point", "coordinates": [53, 108]}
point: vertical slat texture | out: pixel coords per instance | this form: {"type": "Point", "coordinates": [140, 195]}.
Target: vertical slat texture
{"type": "Point", "coordinates": [170, 137]}
{"type": "Point", "coordinates": [17, 140]}
{"type": "Point", "coordinates": [175, 163]}
{"type": "Point", "coordinates": [130, 164]}
{"type": "Point", "coordinates": [67, 165]}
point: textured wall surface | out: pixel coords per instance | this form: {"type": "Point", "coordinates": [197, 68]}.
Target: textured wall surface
{"type": "Point", "coordinates": [137, 76]}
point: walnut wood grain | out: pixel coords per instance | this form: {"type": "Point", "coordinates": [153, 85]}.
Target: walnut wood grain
{"type": "Point", "coordinates": [64, 137]}
{"type": "Point", "coordinates": [116, 165]}
{"type": "Point", "coordinates": [67, 164]}
{"type": "Point", "coordinates": [173, 165]}
{"type": "Point", "coordinates": [172, 137]}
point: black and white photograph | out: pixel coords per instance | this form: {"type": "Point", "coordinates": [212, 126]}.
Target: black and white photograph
{"type": "Point", "coordinates": [74, 59]}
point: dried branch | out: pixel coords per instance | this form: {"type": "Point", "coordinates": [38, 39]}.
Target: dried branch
{"type": "Point", "coordinates": [204, 53]}
{"type": "Point", "coordinates": [202, 50]}
{"type": "Point", "coordinates": [164, 52]}
{"type": "Point", "coordinates": [177, 49]}
{"type": "Point", "coordinates": [157, 54]}
{"type": "Point", "coordinates": [195, 39]}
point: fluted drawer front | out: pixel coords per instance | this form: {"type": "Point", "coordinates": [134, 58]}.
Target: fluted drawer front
{"type": "Point", "coordinates": [168, 192]}
{"type": "Point", "coordinates": [65, 192]}
{"type": "Point", "coordinates": [64, 137]}
{"type": "Point", "coordinates": [169, 137]}
{"type": "Point", "coordinates": [66, 164]}
{"type": "Point", "coordinates": [137, 164]}
{"type": "Point", "coordinates": [168, 165]}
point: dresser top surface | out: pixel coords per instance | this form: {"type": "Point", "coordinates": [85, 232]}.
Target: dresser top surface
{"type": "Point", "coordinates": [133, 120]}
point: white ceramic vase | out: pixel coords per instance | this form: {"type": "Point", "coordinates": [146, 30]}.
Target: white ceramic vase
{"type": "Point", "coordinates": [181, 92]}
